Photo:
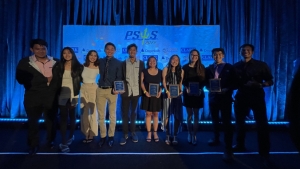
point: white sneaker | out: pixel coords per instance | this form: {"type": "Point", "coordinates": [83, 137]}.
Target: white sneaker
{"type": "Point", "coordinates": [64, 148]}
{"type": "Point", "coordinates": [69, 142]}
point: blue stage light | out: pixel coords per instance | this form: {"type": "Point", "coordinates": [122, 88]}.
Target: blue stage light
{"type": "Point", "coordinates": [141, 122]}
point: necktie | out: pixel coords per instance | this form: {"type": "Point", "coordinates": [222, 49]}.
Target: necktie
{"type": "Point", "coordinates": [216, 72]}
{"type": "Point", "coordinates": [106, 70]}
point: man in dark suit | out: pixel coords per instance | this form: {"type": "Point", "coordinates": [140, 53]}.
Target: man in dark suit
{"type": "Point", "coordinates": [221, 101]}
{"type": "Point", "coordinates": [39, 74]}
{"type": "Point", "coordinates": [131, 69]}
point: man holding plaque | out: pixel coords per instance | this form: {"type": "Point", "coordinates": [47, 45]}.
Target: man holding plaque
{"type": "Point", "coordinates": [131, 71]}
{"type": "Point", "coordinates": [110, 71]}
{"type": "Point", "coordinates": [220, 99]}
{"type": "Point", "coordinates": [253, 76]}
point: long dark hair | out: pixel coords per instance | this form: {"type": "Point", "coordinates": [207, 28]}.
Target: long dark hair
{"type": "Point", "coordinates": [199, 66]}
{"type": "Point", "coordinates": [87, 60]}
{"type": "Point", "coordinates": [178, 70]}
{"type": "Point", "coordinates": [149, 60]}
{"type": "Point", "coordinates": [75, 64]}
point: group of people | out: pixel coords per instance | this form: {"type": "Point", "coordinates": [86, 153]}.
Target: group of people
{"type": "Point", "coordinates": [52, 84]}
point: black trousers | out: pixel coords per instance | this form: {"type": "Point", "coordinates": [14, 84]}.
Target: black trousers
{"type": "Point", "coordinates": [33, 115]}
{"type": "Point", "coordinates": [243, 104]}
{"type": "Point", "coordinates": [129, 105]}
{"type": "Point", "coordinates": [66, 112]}
{"type": "Point", "coordinates": [222, 105]}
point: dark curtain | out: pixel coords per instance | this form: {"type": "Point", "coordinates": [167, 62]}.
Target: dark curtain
{"type": "Point", "coordinates": [271, 26]}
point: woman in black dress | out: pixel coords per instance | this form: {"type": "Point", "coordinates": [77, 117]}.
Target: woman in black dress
{"type": "Point", "coordinates": [172, 74]}
{"type": "Point", "coordinates": [152, 104]}
{"type": "Point", "coordinates": [194, 71]}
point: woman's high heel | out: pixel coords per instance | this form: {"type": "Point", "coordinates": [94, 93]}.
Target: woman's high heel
{"type": "Point", "coordinates": [148, 139]}
{"type": "Point", "coordinates": [156, 139]}
{"type": "Point", "coordinates": [167, 141]}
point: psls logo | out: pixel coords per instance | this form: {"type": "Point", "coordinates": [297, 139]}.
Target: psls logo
{"type": "Point", "coordinates": [145, 36]}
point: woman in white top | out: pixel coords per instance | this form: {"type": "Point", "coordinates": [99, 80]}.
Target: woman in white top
{"type": "Point", "coordinates": [68, 98]}
{"type": "Point", "coordinates": [89, 122]}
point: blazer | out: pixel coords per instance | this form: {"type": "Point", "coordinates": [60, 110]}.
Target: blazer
{"type": "Point", "coordinates": [228, 79]}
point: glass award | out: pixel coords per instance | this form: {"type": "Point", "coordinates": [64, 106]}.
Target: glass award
{"type": "Point", "coordinates": [174, 90]}
{"type": "Point", "coordinates": [215, 85]}
{"type": "Point", "coordinates": [119, 86]}
{"type": "Point", "coordinates": [194, 88]}
{"type": "Point", "coordinates": [153, 89]}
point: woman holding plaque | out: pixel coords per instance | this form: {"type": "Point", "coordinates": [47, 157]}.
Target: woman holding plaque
{"type": "Point", "coordinates": [89, 122]}
{"type": "Point", "coordinates": [151, 100]}
{"type": "Point", "coordinates": [172, 102]}
{"type": "Point", "coordinates": [68, 97]}
{"type": "Point", "coordinates": [193, 95]}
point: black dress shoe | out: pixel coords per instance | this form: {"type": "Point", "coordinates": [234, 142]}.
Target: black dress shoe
{"type": "Point", "coordinates": [102, 141]}
{"type": "Point", "coordinates": [213, 142]}
{"type": "Point", "coordinates": [238, 148]}
{"type": "Point", "coordinates": [50, 145]}
{"type": "Point", "coordinates": [194, 140]}
{"type": "Point", "coordinates": [110, 141]}
{"type": "Point", "coordinates": [33, 150]}
{"type": "Point", "coordinates": [227, 157]}
{"type": "Point", "coordinates": [267, 163]}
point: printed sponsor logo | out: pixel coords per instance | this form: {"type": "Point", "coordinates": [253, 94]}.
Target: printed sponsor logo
{"type": "Point", "coordinates": [206, 57]}
{"type": "Point", "coordinates": [205, 50]}
{"type": "Point", "coordinates": [186, 49]}
{"type": "Point", "coordinates": [170, 50]}
{"type": "Point", "coordinates": [150, 50]}
{"type": "Point", "coordinates": [75, 49]}
{"type": "Point", "coordinates": [145, 57]}
{"type": "Point", "coordinates": [124, 50]}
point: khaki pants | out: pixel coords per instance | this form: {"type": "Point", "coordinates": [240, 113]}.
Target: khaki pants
{"type": "Point", "coordinates": [89, 117]}
{"type": "Point", "coordinates": [104, 96]}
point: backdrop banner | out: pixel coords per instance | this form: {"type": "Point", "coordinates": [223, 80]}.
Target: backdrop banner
{"type": "Point", "coordinates": [159, 41]}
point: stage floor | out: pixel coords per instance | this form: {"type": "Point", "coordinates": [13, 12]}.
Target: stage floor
{"type": "Point", "coordinates": [142, 155]}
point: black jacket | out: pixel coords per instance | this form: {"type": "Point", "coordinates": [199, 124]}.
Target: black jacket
{"type": "Point", "coordinates": [141, 68]}
{"type": "Point", "coordinates": [76, 78]}
{"type": "Point", "coordinates": [37, 92]}
{"type": "Point", "coordinates": [228, 80]}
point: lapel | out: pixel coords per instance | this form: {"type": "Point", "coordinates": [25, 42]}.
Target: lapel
{"type": "Point", "coordinates": [212, 70]}
{"type": "Point", "coordinates": [222, 70]}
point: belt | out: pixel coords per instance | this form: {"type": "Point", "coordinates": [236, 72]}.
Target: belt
{"type": "Point", "coordinates": [105, 87]}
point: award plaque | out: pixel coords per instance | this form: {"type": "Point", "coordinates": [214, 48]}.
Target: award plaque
{"type": "Point", "coordinates": [119, 86]}
{"type": "Point", "coordinates": [174, 90]}
{"type": "Point", "coordinates": [215, 85]}
{"type": "Point", "coordinates": [194, 88]}
{"type": "Point", "coordinates": [153, 89]}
